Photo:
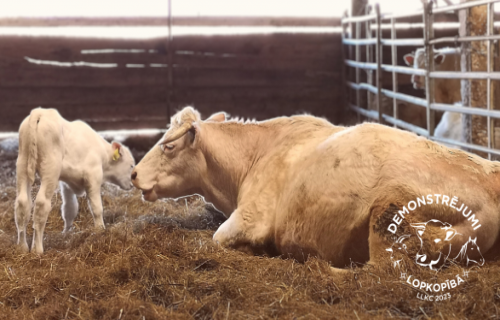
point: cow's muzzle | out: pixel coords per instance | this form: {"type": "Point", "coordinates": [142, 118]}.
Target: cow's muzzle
{"type": "Point", "coordinates": [150, 195]}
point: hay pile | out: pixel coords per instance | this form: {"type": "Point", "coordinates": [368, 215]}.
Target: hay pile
{"type": "Point", "coordinates": [157, 261]}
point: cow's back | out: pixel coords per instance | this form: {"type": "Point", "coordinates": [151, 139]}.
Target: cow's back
{"type": "Point", "coordinates": [366, 168]}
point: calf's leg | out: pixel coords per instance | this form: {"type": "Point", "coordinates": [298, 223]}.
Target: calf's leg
{"type": "Point", "coordinates": [23, 204]}
{"type": "Point", "coordinates": [95, 205]}
{"type": "Point", "coordinates": [49, 177]}
{"type": "Point", "coordinates": [69, 206]}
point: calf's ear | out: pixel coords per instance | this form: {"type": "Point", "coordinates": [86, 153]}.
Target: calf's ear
{"type": "Point", "coordinates": [409, 59]}
{"type": "Point", "coordinates": [116, 150]}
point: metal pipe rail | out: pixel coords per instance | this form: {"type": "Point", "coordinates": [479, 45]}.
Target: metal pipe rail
{"type": "Point", "coordinates": [464, 39]}
{"type": "Point", "coordinates": [423, 103]}
{"type": "Point", "coordinates": [374, 67]}
{"type": "Point", "coordinates": [465, 75]}
{"type": "Point", "coordinates": [385, 42]}
{"type": "Point", "coordinates": [422, 72]}
{"type": "Point", "coordinates": [422, 132]}
{"type": "Point", "coordinates": [374, 115]}
{"type": "Point", "coordinates": [395, 95]}
{"type": "Point", "coordinates": [461, 6]}
{"type": "Point", "coordinates": [386, 67]}
{"type": "Point", "coordinates": [387, 16]}
{"type": "Point", "coordinates": [467, 110]}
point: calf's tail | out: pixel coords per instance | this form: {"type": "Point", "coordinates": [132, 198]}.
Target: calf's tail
{"type": "Point", "coordinates": [33, 121]}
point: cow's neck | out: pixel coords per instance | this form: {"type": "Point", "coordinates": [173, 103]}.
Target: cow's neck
{"type": "Point", "coordinates": [231, 151]}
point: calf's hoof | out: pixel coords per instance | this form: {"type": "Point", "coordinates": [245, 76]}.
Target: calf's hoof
{"type": "Point", "coordinates": [38, 251]}
{"type": "Point", "coordinates": [99, 228]}
{"type": "Point", "coordinates": [23, 248]}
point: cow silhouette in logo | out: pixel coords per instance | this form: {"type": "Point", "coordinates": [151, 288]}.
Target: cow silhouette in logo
{"type": "Point", "coordinates": [435, 238]}
{"type": "Point", "coordinates": [433, 234]}
{"type": "Point", "coordinates": [470, 248]}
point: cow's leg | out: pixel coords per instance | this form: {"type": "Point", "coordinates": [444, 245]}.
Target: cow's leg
{"type": "Point", "coordinates": [49, 180]}
{"type": "Point", "coordinates": [236, 233]}
{"type": "Point", "coordinates": [23, 203]}
{"type": "Point", "coordinates": [69, 206]}
{"type": "Point", "coordinates": [379, 238]}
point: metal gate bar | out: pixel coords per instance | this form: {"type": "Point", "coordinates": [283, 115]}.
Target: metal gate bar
{"type": "Point", "coordinates": [430, 74]}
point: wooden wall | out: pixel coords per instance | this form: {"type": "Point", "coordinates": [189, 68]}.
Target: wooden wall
{"type": "Point", "coordinates": [256, 76]}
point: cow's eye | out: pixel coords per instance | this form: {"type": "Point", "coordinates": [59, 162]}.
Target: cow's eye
{"type": "Point", "coordinates": [167, 147]}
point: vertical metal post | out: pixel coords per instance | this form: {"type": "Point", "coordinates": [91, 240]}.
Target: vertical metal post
{"type": "Point", "coordinates": [369, 73]}
{"type": "Point", "coordinates": [351, 70]}
{"type": "Point", "coordinates": [170, 66]}
{"type": "Point", "coordinates": [358, 58]}
{"type": "Point", "coordinates": [394, 56]}
{"type": "Point", "coordinates": [344, 75]}
{"type": "Point", "coordinates": [489, 91]}
{"type": "Point", "coordinates": [378, 55]}
{"type": "Point", "coordinates": [429, 65]}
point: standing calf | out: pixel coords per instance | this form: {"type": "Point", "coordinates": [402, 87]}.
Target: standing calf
{"type": "Point", "coordinates": [70, 152]}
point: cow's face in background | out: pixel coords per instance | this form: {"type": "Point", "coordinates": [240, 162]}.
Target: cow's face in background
{"type": "Point", "coordinates": [417, 61]}
{"type": "Point", "coordinates": [435, 239]}
{"type": "Point", "coordinates": [174, 167]}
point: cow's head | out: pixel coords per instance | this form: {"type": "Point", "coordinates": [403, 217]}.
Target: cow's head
{"type": "Point", "coordinates": [417, 61]}
{"type": "Point", "coordinates": [175, 165]}
{"type": "Point", "coordinates": [121, 165]}
{"type": "Point", "coordinates": [435, 237]}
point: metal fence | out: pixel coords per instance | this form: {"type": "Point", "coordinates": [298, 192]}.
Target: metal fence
{"type": "Point", "coordinates": [352, 41]}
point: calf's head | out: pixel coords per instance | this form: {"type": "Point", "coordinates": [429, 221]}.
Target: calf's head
{"type": "Point", "coordinates": [417, 61]}
{"type": "Point", "coordinates": [175, 165]}
{"type": "Point", "coordinates": [121, 165]}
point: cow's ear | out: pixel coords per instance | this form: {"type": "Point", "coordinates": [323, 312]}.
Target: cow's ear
{"type": "Point", "coordinates": [409, 59]}
{"type": "Point", "coordinates": [116, 146]}
{"type": "Point", "coordinates": [193, 132]}
{"type": "Point", "coordinates": [217, 117]}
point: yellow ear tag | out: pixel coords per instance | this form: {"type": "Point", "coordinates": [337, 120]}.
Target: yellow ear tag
{"type": "Point", "coordinates": [116, 155]}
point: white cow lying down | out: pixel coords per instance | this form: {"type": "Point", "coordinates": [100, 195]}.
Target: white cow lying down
{"type": "Point", "coordinates": [70, 152]}
{"type": "Point", "coordinates": [300, 186]}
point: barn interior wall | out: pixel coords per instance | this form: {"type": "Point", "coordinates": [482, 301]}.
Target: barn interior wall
{"type": "Point", "coordinates": [253, 76]}
{"type": "Point", "coordinates": [256, 76]}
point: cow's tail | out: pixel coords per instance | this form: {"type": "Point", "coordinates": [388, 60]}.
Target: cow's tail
{"type": "Point", "coordinates": [33, 121]}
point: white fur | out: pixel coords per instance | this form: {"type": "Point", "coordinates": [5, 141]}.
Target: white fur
{"type": "Point", "coordinates": [445, 90]}
{"type": "Point", "coordinates": [450, 127]}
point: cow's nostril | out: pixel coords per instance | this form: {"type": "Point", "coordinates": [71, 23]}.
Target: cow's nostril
{"type": "Point", "coordinates": [134, 175]}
